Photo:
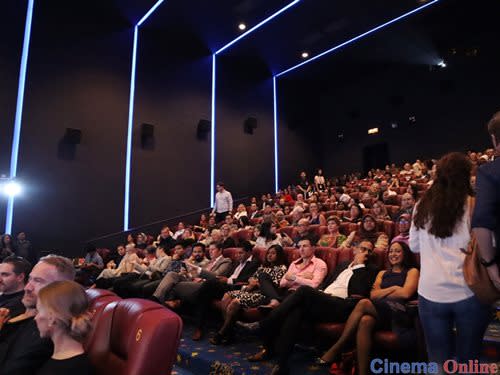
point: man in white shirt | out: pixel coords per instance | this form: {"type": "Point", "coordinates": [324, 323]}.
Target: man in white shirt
{"type": "Point", "coordinates": [223, 203]}
{"type": "Point", "coordinates": [280, 328]}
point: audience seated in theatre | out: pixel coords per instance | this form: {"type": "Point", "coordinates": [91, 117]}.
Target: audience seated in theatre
{"type": "Point", "coordinates": [241, 211]}
{"type": "Point", "coordinates": [354, 215]}
{"type": "Point", "coordinates": [302, 232]}
{"type": "Point", "coordinates": [214, 289]}
{"type": "Point", "coordinates": [262, 288]}
{"type": "Point", "coordinates": [165, 239]}
{"type": "Point", "coordinates": [280, 221]}
{"type": "Point", "coordinates": [24, 248]}
{"type": "Point", "coordinates": [332, 238]}
{"type": "Point", "coordinates": [91, 266]}
{"type": "Point", "coordinates": [6, 247]}
{"type": "Point", "coordinates": [174, 271]}
{"type": "Point", "coordinates": [116, 257]}
{"type": "Point", "coordinates": [217, 266]}
{"type": "Point", "coordinates": [14, 273]}
{"type": "Point", "coordinates": [407, 203]}
{"type": "Point", "coordinates": [22, 350]}
{"type": "Point", "coordinates": [279, 329]}
{"type": "Point", "coordinates": [180, 230]}
{"type": "Point", "coordinates": [303, 185]}
{"type": "Point", "coordinates": [107, 277]}
{"type": "Point", "coordinates": [267, 236]}
{"type": "Point", "coordinates": [267, 214]}
{"type": "Point", "coordinates": [319, 181]}
{"type": "Point", "coordinates": [141, 241]}
{"type": "Point", "coordinates": [226, 239]}
{"type": "Point", "coordinates": [63, 316]}
{"type": "Point", "coordinates": [386, 309]}
{"type": "Point", "coordinates": [132, 287]}
{"type": "Point", "coordinates": [403, 223]}
{"type": "Point", "coordinates": [367, 231]}
{"type": "Point", "coordinates": [316, 216]}
{"type": "Point", "coordinates": [379, 211]}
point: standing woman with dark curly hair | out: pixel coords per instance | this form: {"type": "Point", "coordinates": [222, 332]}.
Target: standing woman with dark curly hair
{"type": "Point", "coordinates": [440, 228]}
{"type": "Point", "coordinates": [63, 316]}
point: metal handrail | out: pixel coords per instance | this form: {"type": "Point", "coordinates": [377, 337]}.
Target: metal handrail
{"type": "Point", "coordinates": [158, 222]}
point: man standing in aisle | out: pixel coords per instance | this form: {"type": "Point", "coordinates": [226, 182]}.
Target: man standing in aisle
{"type": "Point", "coordinates": [223, 203]}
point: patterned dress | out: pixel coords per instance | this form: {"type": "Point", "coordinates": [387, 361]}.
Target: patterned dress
{"type": "Point", "coordinates": [255, 298]}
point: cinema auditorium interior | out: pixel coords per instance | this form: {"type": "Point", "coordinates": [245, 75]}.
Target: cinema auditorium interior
{"type": "Point", "coordinates": [249, 187]}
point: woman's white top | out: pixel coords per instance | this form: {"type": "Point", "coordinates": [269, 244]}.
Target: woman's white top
{"type": "Point", "coordinates": [441, 261]}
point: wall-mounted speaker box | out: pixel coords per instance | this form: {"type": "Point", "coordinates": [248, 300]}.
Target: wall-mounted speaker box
{"type": "Point", "coordinates": [73, 136]}
{"type": "Point", "coordinates": [249, 125]}
{"type": "Point", "coordinates": [203, 129]}
{"type": "Point", "coordinates": [147, 136]}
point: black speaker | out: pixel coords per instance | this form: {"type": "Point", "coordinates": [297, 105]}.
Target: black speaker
{"type": "Point", "coordinates": [203, 129]}
{"type": "Point", "coordinates": [249, 125]}
{"type": "Point", "coordinates": [147, 136]}
{"type": "Point", "coordinates": [72, 136]}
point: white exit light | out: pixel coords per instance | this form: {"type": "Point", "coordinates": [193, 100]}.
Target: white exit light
{"type": "Point", "coordinates": [373, 131]}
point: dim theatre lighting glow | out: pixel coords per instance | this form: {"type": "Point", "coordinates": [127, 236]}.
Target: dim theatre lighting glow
{"type": "Point", "coordinates": [19, 111]}
{"type": "Point", "coordinates": [128, 157]}
{"type": "Point", "coordinates": [242, 26]}
{"type": "Point", "coordinates": [442, 64]}
{"type": "Point", "coordinates": [305, 55]}
{"type": "Point", "coordinates": [352, 40]}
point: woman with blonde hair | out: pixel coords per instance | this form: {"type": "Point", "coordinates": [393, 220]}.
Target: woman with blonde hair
{"type": "Point", "coordinates": [63, 317]}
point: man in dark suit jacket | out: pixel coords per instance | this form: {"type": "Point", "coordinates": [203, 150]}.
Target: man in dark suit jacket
{"type": "Point", "coordinates": [334, 304]}
{"type": "Point", "coordinates": [14, 272]}
{"type": "Point", "coordinates": [214, 289]}
{"type": "Point", "coordinates": [486, 219]}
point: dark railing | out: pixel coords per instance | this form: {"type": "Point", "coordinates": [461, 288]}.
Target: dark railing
{"type": "Point", "coordinates": [190, 218]}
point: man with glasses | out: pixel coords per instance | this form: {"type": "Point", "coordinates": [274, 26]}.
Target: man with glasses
{"type": "Point", "coordinates": [331, 305]}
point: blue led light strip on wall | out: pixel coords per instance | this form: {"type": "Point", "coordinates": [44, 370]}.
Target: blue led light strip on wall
{"type": "Point", "coordinates": [337, 47]}
{"type": "Point", "coordinates": [19, 111]}
{"type": "Point", "coordinates": [352, 40]}
{"type": "Point", "coordinates": [128, 157]}
{"type": "Point", "coordinates": [231, 43]}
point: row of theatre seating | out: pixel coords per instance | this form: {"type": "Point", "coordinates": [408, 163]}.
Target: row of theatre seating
{"type": "Point", "coordinates": [131, 336]}
{"type": "Point", "coordinates": [383, 226]}
{"type": "Point", "coordinates": [325, 334]}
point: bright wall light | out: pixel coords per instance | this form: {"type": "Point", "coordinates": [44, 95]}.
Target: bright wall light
{"type": "Point", "coordinates": [19, 111]}
{"type": "Point", "coordinates": [130, 125]}
{"type": "Point", "coordinates": [12, 189]}
{"type": "Point", "coordinates": [373, 131]}
{"type": "Point", "coordinates": [275, 121]}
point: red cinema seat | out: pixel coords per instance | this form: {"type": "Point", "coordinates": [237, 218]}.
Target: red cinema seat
{"type": "Point", "coordinates": [135, 337]}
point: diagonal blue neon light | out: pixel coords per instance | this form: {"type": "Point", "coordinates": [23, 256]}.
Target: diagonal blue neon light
{"type": "Point", "coordinates": [276, 185]}
{"type": "Point", "coordinates": [19, 111]}
{"type": "Point", "coordinates": [276, 14]}
{"type": "Point", "coordinates": [150, 12]}
{"type": "Point", "coordinates": [357, 37]}
{"type": "Point", "coordinates": [128, 157]}
{"type": "Point", "coordinates": [212, 139]}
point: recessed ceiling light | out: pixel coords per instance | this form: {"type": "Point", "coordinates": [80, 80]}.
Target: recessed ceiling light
{"type": "Point", "coordinates": [305, 55]}
{"type": "Point", "coordinates": [242, 26]}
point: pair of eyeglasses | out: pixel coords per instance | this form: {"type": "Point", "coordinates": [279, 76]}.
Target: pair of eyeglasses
{"type": "Point", "coordinates": [403, 221]}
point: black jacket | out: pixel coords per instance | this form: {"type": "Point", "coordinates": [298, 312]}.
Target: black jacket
{"type": "Point", "coordinates": [22, 351]}
{"type": "Point", "coordinates": [246, 272]}
{"type": "Point", "coordinates": [360, 283]}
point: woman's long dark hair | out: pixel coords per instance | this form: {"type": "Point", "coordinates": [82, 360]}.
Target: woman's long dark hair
{"type": "Point", "coordinates": [443, 204]}
{"type": "Point", "coordinates": [265, 231]}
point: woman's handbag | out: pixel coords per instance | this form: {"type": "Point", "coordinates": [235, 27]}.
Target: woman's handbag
{"type": "Point", "coordinates": [476, 275]}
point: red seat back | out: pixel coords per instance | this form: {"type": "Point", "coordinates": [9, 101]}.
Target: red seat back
{"type": "Point", "coordinates": [135, 337]}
